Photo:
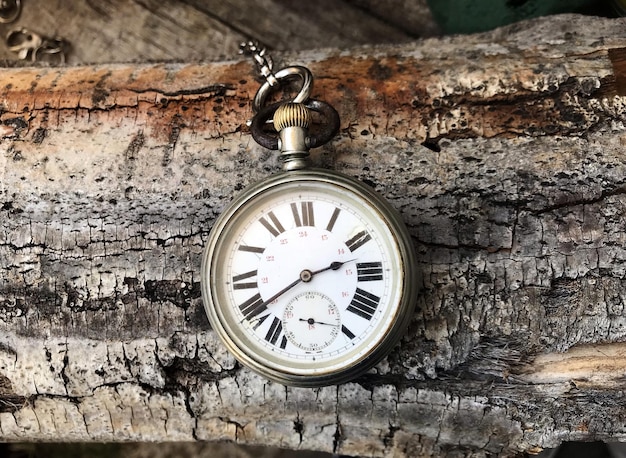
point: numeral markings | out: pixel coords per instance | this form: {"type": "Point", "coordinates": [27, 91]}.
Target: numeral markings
{"type": "Point", "coordinates": [251, 249]}
{"type": "Point", "coordinates": [238, 282]}
{"type": "Point", "coordinates": [333, 220]}
{"type": "Point", "coordinates": [304, 215]}
{"type": "Point", "coordinates": [358, 240]}
{"type": "Point", "coordinates": [349, 334]}
{"type": "Point", "coordinates": [364, 304]}
{"type": "Point", "coordinates": [273, 225]}
{"type": "Point", "coordinates": [253, 307]}
{"type": "Point", "coordinates": [274, 333]}
{"type": "Point", "coordinates": [369, 271]}
{"type": "Point", "coordinates": [259, 321]}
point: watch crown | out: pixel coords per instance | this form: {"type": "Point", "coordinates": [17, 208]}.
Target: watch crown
{"type": "Point", "coordinates": [291, 115]}
{"type": "Point", "coordinates": [291, 121]}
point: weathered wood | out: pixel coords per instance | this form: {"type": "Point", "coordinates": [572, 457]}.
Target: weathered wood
{"type": "Point", "coordinates": [413, 17]}
{"type": "Point", "coordinates": [106, 31]}
{"type": "Point", "coordinates": [504, 153]}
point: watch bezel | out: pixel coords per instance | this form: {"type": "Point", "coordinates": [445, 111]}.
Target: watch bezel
{"type": "Point", "coordinates": [399, 320]}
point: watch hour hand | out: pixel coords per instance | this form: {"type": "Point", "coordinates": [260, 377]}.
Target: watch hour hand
{"type": "Point", "coordinates": [335, 265]}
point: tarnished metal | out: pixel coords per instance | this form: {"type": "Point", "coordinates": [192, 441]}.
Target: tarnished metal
{"type": "Point", "coordinates": [222, 313]}
{"type": "Point", "coordinates": [292, 120]}
{"type": "Point", "coordinates": [325, 130]}
{"type": "Point", "coordinates": [31, 45]}
{"type": "Point", "coordinates": [24, 43]}
{"type": "Point", "coordinates": [303, 73]}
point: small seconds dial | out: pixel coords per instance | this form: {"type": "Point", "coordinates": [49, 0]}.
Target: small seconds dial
{"type": "Point", "coordinates": [311, 321]}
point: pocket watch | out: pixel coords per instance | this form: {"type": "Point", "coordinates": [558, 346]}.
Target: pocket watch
{"type": "Point", "coordinates": [308, 276]}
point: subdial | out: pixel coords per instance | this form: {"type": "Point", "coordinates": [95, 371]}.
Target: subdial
{"type": "Point", "coordinates": [311, 321]}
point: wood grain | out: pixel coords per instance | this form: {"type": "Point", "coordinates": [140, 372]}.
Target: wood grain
{"type": "Point", "coordinates": [504, 154]}
{"type": "Point", "coordinates": [108, 31]}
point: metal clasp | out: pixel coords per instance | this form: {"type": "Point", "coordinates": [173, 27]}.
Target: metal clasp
{"type": "Point", "coordinates": [24, 43]}
{"type": "Point", "coordinates": [288, 72]}
{"type": "Point", "coordinates": [329, 126]}
{"type": "Point", "coordinates": [291, 133]}
{"type": "Point", "coordinates": [52, 49]}
{"type": "Point", "coordinates": [27, 44]}
{"type": "Point", "coordinates": [265, 66]}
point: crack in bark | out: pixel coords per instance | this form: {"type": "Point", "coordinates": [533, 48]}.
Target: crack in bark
{"type": "Point", "coordinates": [554, 111]}
{"type": "Point", "coordinates": [466, 246]}
{"type": "Point", "coordinates": [298, 427]}
{"type": "Point", "coordinates": [455, 390]}
{"type": "Point", "coordinates": [579, 202]}
{"type": "Point", "coordinates": [388, 438]}
{"type": "Point", "coordinates": [9, 400]}
{"type": "Point", "coordinates": [338, 434]}
{"type": "Point", "coordinates": [212, 90]}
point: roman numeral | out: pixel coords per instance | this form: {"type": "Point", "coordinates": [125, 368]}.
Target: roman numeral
{"type": "Point", "coordinates": [253, 307]}
{"type": "Point", "coordinates": [274, 332]}
{"type": "Point", "coordinates": [349, 334]}
{"type": "Point", "coordinates": [369, 271]}
{"type": "Point", "coordinates": [251, 249]}
{"type": "Point", "coordinates": [260, 320]}
{"type": "Point", "coordinates": [304, 216]}
{"type": "Point", "coordinates": [364, 304]}
{"type": "Point", "coordinates": [361, 238]}
{"type": "Point", "coordinates": [239, 284]}
{"type": "Point", "coordinates": [274, 226]}
{"type": "Point", "coordinates": [333, 220]}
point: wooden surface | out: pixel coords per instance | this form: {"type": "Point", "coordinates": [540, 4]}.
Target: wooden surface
{"type": "Point", "coordinates": [504, 153]}
{"type": "Point", "coordinates": [106, 31]}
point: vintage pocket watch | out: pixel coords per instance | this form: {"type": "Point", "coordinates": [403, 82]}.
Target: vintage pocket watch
{"type": "Point", "coordinates": [308, 277]}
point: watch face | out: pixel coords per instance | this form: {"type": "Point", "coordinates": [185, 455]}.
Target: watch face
{"type": "Point", "coordinates": [305, 278]}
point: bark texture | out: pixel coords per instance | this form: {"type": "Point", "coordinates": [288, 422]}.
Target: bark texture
{"type": "Point", "coordinates": [504, 153]}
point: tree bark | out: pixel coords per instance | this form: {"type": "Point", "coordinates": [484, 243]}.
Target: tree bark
{"type": "Point", "coordinates": [504, 152]}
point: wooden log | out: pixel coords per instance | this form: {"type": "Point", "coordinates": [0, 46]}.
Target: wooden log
{"type": "Point", "coordinates": [148, 30]}
{"type": "Point", "coordinates": [504, 153]}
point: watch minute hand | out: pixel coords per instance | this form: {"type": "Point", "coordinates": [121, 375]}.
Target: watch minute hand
{"type": "Point", "coordinates": [282, 291]}
{"type": "Point", "coordinates": [305, 276]}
